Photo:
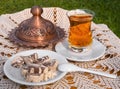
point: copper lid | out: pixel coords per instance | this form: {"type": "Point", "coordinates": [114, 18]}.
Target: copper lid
{"type": "Point", "coordinates": [36, 31]}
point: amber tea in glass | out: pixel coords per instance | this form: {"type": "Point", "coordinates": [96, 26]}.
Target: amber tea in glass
{"type": "Point", "coordinates": [80, 35]}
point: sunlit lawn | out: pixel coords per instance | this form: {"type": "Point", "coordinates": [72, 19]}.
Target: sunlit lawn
{"type": "Point", "coordinates": [107, 11]}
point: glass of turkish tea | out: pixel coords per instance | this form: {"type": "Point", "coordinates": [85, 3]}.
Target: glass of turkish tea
{"type": "Point", "coordinates": [80, 35]}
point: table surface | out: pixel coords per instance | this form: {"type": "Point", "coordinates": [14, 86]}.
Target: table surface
{"type": "Point", "coordinates": [109, 63]}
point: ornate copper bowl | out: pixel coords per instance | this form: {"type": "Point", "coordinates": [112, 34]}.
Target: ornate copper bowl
{"type": "Point", "coordinates": [36, 31]}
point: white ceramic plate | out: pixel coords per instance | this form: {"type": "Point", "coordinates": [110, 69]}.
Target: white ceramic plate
{"type": "Point", "coordinates": [97, 50]}
{"type": "Point", "coordinates": [14, 73]}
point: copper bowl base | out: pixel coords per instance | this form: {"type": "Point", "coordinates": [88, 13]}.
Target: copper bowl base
{"type": "Point", "coordinates": [16, 40]}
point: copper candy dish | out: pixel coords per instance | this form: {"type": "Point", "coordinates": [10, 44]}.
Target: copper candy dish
{"type": "Point", "coordinates": [36, 31]}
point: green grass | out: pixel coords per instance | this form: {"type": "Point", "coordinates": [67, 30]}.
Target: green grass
{"type": "Point", "coordinates": [107, 11]}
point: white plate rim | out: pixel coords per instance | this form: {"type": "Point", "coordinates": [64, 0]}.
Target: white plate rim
{"type": "Point", "coordinates": [32, 83]}
{"type": "Point", "coordinates": [82, 60]}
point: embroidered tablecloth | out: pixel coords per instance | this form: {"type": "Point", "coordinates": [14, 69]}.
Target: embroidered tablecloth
{"type": "Point", "coordinates": [109, 63]}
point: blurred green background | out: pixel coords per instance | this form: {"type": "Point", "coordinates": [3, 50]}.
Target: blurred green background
{"type": "Point", "coordinates": [107, 11]}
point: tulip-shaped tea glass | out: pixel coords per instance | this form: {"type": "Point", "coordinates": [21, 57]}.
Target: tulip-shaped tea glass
{"type": "Point", "coordinates": [80, 35]}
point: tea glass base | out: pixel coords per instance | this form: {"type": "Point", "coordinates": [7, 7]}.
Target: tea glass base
{"type": "Point", "coordinates": [80, 50]}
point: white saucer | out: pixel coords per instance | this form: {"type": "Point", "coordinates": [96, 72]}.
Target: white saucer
{"type": "Point", "coordinates": [97, 50]}
{"type": "Point", "coordinates": [15, 75]}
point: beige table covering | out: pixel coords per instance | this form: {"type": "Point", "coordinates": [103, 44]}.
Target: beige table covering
{"type": "Point", "coordinates": [109, 63]}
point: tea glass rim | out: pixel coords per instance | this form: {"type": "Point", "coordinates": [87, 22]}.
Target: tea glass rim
{"type": "Point", "coordinates": [88, 11]}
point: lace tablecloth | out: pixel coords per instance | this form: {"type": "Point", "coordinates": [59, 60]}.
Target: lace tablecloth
{"type": "Point", "coordinates": [109, 63]}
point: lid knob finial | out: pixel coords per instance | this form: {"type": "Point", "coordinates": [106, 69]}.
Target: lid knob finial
{"type": "Point", "coordinates": [36, 10]}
